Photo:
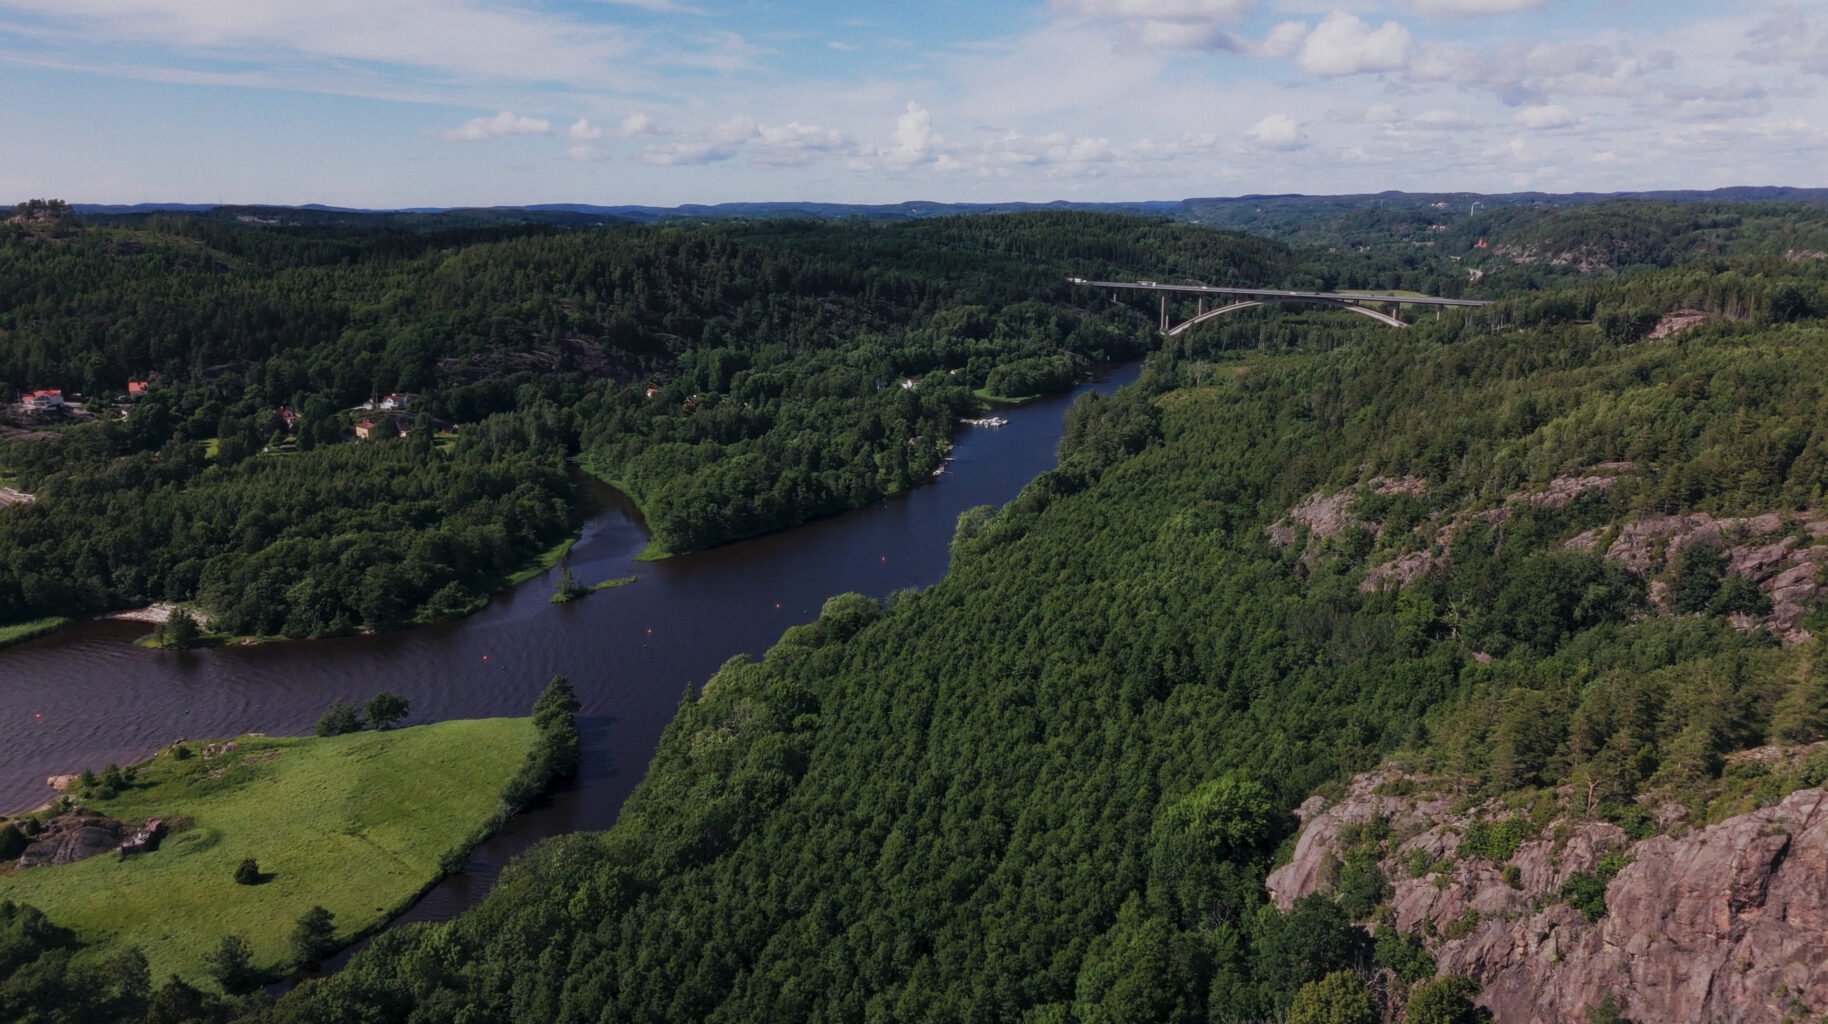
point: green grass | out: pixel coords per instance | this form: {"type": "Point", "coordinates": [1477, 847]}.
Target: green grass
{"type": "Point", "coordinates": [985, 395]}
{"type": "Point", "coordinates": [355, 823]}
{"type": "Point", "coordinates": [20, 632]}
{"type": "Point", "coordinates": [546, 560]}
{"type": "Point", "coordinates": [561, 598]}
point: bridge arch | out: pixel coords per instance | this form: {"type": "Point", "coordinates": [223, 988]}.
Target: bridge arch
{"type": "Point", "coordinates": [1213, 314]}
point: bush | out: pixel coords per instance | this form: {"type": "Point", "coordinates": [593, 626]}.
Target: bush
{"type": "Point", "coordinates": [1445, 1000]}
{"type": "Point", "coordinates": [314, 938]}
{"type": "Point", "coordinates": [1338, 998]}
{"type": "Point", "coordinates": [12, 841]}
{"type": "Point", "coordinates": [342, 717]}
{"type": "Point", "coordinates": [247, 872]}
{"type": "Point", "coordinates": [384, 709]}
{"type": "Point", "coordinates": [1495, 842]}
{"type": "Point", "coordinates": [231, 965]}
{"type": "Point", "coordinates": [1403, 953]}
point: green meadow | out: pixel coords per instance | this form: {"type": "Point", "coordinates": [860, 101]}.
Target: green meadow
{"type": "Point", "coordinates": [356, 823]}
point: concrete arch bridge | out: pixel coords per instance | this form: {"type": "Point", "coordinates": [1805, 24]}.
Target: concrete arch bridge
{"type": "Point", "coordinates": [1235, 299]}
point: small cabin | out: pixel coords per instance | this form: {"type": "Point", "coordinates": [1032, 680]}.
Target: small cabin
{"type": "Point", "coordinates": [364, 430]}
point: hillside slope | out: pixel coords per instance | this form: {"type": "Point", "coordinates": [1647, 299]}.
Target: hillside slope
{"type": "Point", "coordinates": [1050, 787]}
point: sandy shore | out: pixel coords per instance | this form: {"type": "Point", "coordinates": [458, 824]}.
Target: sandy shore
{"type": "Point", "coordinates": [156, 614]}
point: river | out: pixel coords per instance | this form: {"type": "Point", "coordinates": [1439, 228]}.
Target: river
{"type": "Point", "coordinates": [87, 696]}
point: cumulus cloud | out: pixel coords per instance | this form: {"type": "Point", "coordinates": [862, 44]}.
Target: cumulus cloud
{"type": "Point", "coordinates": [1528, 74]}
{"type": "Point", "coordinates": [636, 126]}
{"type": "Point", "coordinates": [1278, 131]}
{"type": "Point", "coordinates": [676, 154]}
{"type": "Point", "coordinates": [1185, 11]}
{"type": "Point", "coordinates": [481, 129]}
{"type": "Point", "coordinates": [1738, 99]}
{"type": "Point", "coordinates": [1471, 8]}
{"type": "Point", "coordinates": [914, 138]}
{"type": "Point", "coordinates": [1343, 44]}
{"type": "Point", "coordinates": [1545, 117]}
{"type": "Point", "coordinates": [1789, 38]}
{"type": "Point", "coordinates": [583, 131]}
{"type": "Point", "coordinates": [1167, 24]}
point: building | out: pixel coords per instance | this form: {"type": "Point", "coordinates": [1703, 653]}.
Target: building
{"type": "Point", "coordinates": [288, 417]}
{"type": "Point", "coordinates": [392, 402]}
{"type": "Point", "coordinates": [364, 430]}
{"type": "Point", "coordinates": [136, 388]}
{"type": "Point", "coordinates": [45, 399]}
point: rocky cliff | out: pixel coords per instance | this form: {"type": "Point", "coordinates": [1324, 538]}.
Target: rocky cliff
{"type": "Point", "coordinates": [1726, 923]}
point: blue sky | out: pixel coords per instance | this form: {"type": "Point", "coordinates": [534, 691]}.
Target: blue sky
{"type": "Point", "coordinates": [384, 103]}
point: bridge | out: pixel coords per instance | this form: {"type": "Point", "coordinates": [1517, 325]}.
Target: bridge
{"type": "Point", "coordinates": [1362, 303]}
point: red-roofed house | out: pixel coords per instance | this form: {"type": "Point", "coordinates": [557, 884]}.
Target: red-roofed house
{"type": "Point", "coordinates": [45, 399]}
{"type": "Point", "coordinates": [364, 430]}
{"type": "Point", "coordinates": [136, 388]}
{"type": "Point", "coordinates": [288, 417]}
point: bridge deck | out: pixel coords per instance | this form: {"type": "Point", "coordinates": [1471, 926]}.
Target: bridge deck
{"type": "Point", "coordinates": [1271, 293]}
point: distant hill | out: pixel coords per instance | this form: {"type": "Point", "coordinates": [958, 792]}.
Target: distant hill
{"type": "Point", "coordinates": [1230, 211]}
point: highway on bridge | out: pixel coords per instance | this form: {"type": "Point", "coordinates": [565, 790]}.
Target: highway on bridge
{"type": "Point", "coordinates": [1246, 298]}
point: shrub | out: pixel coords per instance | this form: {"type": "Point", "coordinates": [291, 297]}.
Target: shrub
{"type": "Point", "coordinates": [231, 965]}
{"type": "Point", "coordinates": [342, 717]}
{"type": "Point", "coordinates": [314, 938]}
{"type": "Point", "coordinates": [1338, 998]}
{"type": "Point", "coordinates": [384, 709]}
{"type": "Point", "coordinates": [247, 872]}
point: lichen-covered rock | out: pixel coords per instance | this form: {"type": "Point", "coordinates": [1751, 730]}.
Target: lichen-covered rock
{"type": "Point", "coordinates": [71, 837]}
{"type": "Point", "coordinates": [1724, 924]}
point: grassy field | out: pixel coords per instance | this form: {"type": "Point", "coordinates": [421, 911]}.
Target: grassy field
{"type": "Point", "coordinates": [356, 823]}
{"type": "Point", "coordinates": [20, 632]}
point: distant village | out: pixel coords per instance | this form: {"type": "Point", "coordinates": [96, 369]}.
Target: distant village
{"type": "Point", "coordinates": [375, 419]}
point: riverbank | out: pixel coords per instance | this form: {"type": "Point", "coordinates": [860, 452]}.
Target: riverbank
{"type": "Point", "coordinates": [360, 824]}
{"type": "Point", "coordinates": [573, 594]}
{"type": "Point", "coordinates": [19, 633]}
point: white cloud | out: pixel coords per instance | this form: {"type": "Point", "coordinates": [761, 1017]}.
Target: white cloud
{"type": "Point", "coordinates": [1471, 8]}
{"type": "Point", "coordinates": [914, 137]}
{"type": "Point", "coordinates": [1443, 121]}
{"type": "Point", "coordinates": [1739, 99]}
{"type": "Point", "coordinates": [1545, 117]}
{"type": "Point", "coordinates": [674, 154]}
{"type": "Point", "coordinates": [1789, 38]}
{"type": "Point", "coordinates": [583, 131]}
{"type": "Point", "coordinates": [585, 154]}
{"type": "Point", "coordinates": [1343, 44]}
{"type": "Point", "coordinates": [1183, 11]}
{"type": "Point", "coordinates": [1278, 131]}
{"type": "Point", "coordinates": [465, 41]}
{"type": "Point", "coordinates": [636, 126]}
{"type": "Point", "coordinates": [505, 123]}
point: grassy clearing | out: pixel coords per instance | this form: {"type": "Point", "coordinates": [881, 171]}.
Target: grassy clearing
{"type": "Point", "coordinates": [20, 632]}
{"type": "Point", "coordinates": [984, 394]}
{"type": "Point", "coordinates": [547, 559]}
{"type": "Point", "coordinates": [563, 596]}
{"type": "Point", "coordinates": [355, 823]}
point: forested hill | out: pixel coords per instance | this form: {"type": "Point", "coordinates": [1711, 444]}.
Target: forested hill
{"type": "Point", "coordinates": [1049, 788]}
{"type": "Point", "coordinates": [734, 378]}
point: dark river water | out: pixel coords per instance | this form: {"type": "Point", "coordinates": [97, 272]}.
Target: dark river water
{"type": "Point", "coordinates": [87, 696]}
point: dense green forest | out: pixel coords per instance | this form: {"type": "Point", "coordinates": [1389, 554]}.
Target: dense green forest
{"type": "Point", "coordinates": [1048, 788]}
{"type": "Point", "coordinates": [733, 378]}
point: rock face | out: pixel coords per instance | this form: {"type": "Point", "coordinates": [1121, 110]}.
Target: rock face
{"type": "Point", "coordinates": [1725, 925]}
{"type": "Point", "coordinates": [72, 837]}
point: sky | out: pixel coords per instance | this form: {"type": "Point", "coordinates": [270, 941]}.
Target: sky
{"type": "Point", "coordinates": [404, 103]}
